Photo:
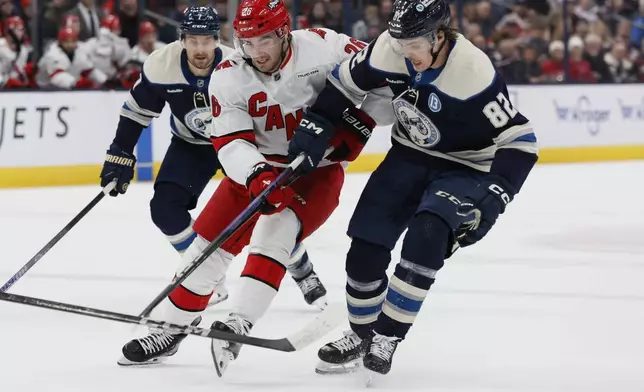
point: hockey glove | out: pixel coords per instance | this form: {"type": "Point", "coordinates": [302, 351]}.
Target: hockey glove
{"type": "Point", "coordinates": [311, 137]}
{"type": "Point", "coordinates": [351, 135]}
{"type": "Point", "coordinates": [261, 176]}
{"type": "Point", "coordinates": [118, 165]}
{"type": "Point", "coordinates": [481, 209]}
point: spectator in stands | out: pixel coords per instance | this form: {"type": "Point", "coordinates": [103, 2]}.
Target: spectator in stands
{"type": "Point", "coordinates": [360, 29]}
{"type": "Point", "coordinates": [167, 32]}
{"type": "Point", "coordinates": [637, 33]}
{"type": "Point", "coordinates": [484, 18]}
{"type": "Point", "coordinates": [130, 20]}
{"type": "Point", "coordinates": [472, 30]}
{"type": "Point", "coordinates": [53, 18]}
{"type": "Point", "coordinates": [7, 9]}
{"type": "Point", "coordinates": [108, 51]}
{"type": "Point", "coordinates": [90, 18]}
{"type": "Point", "coordinates": [335, 17]}
{"type": "Point", "coordinates": [581, 28]}
{"type": "Point", "coordinates": [506, 61]}
{"type": "Point", "coordinates": [536, 36]}
{"type": "Point", "coordinates": [621, 68]}
{"type": "Point", "coordinates": [553, 69]}
{"type": "Point", "coordinates": [528, 68]}
{"type": "Point", "coordinates": [318, 15]}
{"type": "Point", "coordinates": [16, 69]}
{"type": "Point", "coordinates": [595, 57]}
{"type": "Point", "coordinates": [226, 35]}
{"type": "Point", "coordinates": [480, 42]}
{"type": "Point", "coordinates": [623, 31]}
{"type": "Point", "coordinates": [586, 10]}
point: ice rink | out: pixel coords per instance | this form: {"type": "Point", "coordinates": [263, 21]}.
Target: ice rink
{"type": "Point", "coordinates": [551, 300]}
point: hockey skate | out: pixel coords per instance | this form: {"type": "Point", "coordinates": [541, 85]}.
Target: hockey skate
{"type": "Point", "coordinates": [220, 293]}
{"type": "Point", "coordinates": [152, 349]}
{"type": "Point", "coordinates": [380, 354]}
{"type": "Point", "coordinates": [341, 356]}
{"type": "Point", "coordinates": [224, 352]}
{"type": "Point", "coordinates": [313, 290]}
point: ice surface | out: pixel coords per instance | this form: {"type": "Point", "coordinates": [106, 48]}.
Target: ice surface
{"type": "Point", "coordinates": [552, 300]}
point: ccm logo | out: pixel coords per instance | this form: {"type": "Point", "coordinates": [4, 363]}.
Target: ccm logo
{"type": "Point", "coordinates": [501, 192]}
{"type": "Point", "coordinates": [310, 125]}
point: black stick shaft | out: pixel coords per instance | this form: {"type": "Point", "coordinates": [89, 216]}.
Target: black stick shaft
{"type": "Point", "coordinates": [273, 344]}
{"type": "Point", "coordinates": [252, 209]}
{"type": "Point", "coordinates": [54, 240]}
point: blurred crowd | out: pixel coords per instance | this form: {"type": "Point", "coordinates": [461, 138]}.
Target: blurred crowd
{"type": "Point", "coordinates": [92, 44]}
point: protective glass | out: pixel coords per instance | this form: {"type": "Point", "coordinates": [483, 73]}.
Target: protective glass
{"type": "Point", "coordinates": [267, 44]}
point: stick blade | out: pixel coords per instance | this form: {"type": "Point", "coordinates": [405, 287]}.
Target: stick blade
{"type": "Point", "coordinates": [327, 321]}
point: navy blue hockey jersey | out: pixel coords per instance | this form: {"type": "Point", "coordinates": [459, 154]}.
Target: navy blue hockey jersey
{"type": "Point", "coordinates": [166, 77]}
{"type": "Point", "coordinates": [460, 112]}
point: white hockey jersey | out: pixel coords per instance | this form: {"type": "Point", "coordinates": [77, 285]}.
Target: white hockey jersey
{"type": "Point", "coordinates": [107, 51]}
{"type": "Point", "coordinates": [12, 64]}
{"type": "Point", "coordinates": [57, 69]}
{"type": "Point", "coordinates": [255, 114]}
{"type": "Point", "coordinates": [138, 55]}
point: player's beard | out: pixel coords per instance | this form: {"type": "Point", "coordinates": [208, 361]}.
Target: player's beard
{"type": "Point", "coordinates": [202, 61]}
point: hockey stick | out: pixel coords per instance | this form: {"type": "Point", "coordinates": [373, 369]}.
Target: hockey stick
{"type": "Point", "coordinates": [244, 216]}
{"type": "Point", "coordinates": [57, 237]}
{"type": "Point", "coordinates": [328, 320]}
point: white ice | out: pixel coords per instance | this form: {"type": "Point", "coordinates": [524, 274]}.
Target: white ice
{"type": "Point", "coordinates": [551, 300]}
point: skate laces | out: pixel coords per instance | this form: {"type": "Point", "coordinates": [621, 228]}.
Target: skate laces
{"type": "Point", "coordinates": [383, 346]}
{"type": "Point", "coordinates": [309, 283]}
{"type": "Point", "coordinates": [348, 342]}
{"type": "Point", "coordinates": [155, 342]}
{"type": "Point", "coordinates": [238, 324]}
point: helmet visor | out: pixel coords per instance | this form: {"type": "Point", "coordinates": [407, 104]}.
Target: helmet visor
{"type": "Point", "coordinates": [409, 47]}
{"type": "Point", "coordinates": [254, 47]}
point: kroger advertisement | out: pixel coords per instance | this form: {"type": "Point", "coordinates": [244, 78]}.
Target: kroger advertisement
{"type": "Point", "coordinates": [63, 130]}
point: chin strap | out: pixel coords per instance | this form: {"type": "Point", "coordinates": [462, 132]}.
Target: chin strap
{"type": "Point", "coordinates": [435, 54]}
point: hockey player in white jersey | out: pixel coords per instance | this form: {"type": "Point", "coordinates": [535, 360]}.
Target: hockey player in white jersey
{"type": "Point", "coordinates": [108, 51]}
{"type": "Point", "coordinates": [460, 154]}
{"type": "Point", "coordinates": [147, 44]}
{"type": "Point", "coordinates": [258, 96]}
{"type": "Point", "coordinates": [15, 68]}
{"type": "Point", "coordinates": [67, 65]}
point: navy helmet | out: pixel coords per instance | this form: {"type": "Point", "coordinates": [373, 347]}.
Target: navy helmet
{"type": "Point", "coordinates": [416, 18]}
{"type": "Point", "coordinates": [200, 21]}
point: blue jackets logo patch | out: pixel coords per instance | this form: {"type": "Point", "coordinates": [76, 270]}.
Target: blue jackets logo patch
{"type": "Point", "coordinates": [420, 129]}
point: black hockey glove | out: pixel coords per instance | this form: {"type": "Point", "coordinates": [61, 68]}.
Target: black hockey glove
{"type": "Point", "coordinates": [481, 208]}
{"type": "Point", "coordinates": [311, 137]}
{"type": "Point", "coordinates": [118, 165]}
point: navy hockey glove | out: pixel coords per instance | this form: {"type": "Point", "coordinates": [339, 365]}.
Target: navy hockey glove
{"type": "Point", "coordinates": [481, 209]}
{"type": "Point", "coordinates": [118, 165]}
{"type": "Point", "coordinates": [311, 137]}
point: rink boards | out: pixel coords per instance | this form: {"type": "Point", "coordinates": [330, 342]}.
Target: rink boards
{"type": "Point", "coordinates": [60, 138]}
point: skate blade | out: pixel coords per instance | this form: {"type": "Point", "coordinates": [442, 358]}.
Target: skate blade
{"type": "Point", "coordinates": [369, 377]}
{"type": "Point", "coordinates": [217, 300]}
{"type": "Point", "coordinates": [330, 369]}
{"type": "Point", "coordinates": [221, 357]}
{"type": "Point", "coordinates": [127, 363]}
{"type": "Point", "coordinates": [321, 303]}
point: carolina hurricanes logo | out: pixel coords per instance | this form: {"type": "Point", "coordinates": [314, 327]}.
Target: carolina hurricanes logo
{"type": "Point", "coordinates": [273, 4]}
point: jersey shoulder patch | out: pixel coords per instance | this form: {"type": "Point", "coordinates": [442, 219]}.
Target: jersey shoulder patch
{"type": "Point", "coordinates": [164, 66]}
{"type": "Point", "coordinates": [468, 71]}
{"type": "Point", "coordinates": [383, 57]}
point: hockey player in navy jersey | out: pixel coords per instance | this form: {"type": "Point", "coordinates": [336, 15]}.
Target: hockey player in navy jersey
{"type": "Point", "coordinates": [460, 154]}
{"type": "Point", "coordinates": [179, 74]}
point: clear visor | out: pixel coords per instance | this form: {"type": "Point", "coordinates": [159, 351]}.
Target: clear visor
{"type": "Point", "coordinates": [200, 43]}
{"type": "Point", "coordinates": [265, 45]}
{"type": "Point", "coordinates": [410, 47]}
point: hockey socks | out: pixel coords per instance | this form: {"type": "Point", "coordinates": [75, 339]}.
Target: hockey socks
{"type": "Point", "coordinates": [258, 285]}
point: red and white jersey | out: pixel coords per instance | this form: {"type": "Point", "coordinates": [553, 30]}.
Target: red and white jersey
{"type": "Point", "coordinates": [255, 114]}
{"type": "Point", "coordinates": [107, 51]}
{"type": "Point", "coordinates": [12, 64]}
{"type": "Point", "coordinates": [139, 55]}
{"type": "Point", "coordinates": [57, 69]}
